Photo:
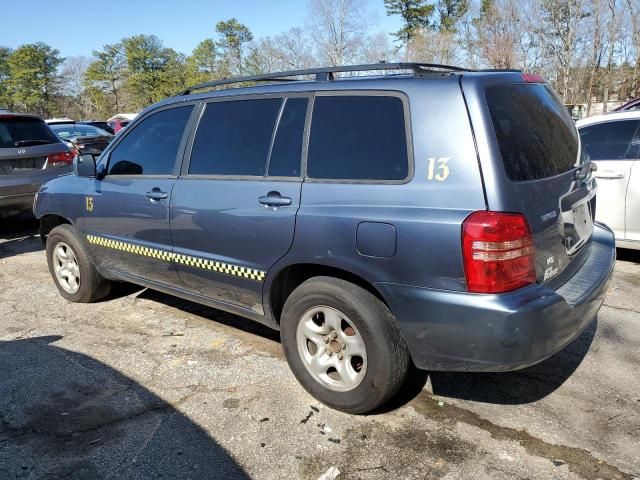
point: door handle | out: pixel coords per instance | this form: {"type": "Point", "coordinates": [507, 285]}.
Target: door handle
{"type": "Point", "coordinates": [274, 199]}
{"type": "Point", "coordinates": [609, 176]}
{"type": "Point", "coordinates": [156, 194]}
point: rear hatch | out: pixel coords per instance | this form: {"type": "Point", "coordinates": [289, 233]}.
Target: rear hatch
{"type": "Point", "coordinates": [532, 164]}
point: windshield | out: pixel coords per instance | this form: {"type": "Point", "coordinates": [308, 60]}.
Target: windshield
{"type": "Point", "coordinates": [18, 131]}
{"type": "Point", "coordinates": [67, 130]}
{"type": "Point", "coordinates": [536, 135]}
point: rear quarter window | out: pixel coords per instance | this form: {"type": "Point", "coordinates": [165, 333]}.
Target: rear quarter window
{"type": "Point", "coordinates": [358, 137]}
{"type": "Point", "coordinates": [536, 136]}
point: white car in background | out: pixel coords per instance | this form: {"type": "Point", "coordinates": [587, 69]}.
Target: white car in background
{"type": "Point", "coordinates": [612, 141]}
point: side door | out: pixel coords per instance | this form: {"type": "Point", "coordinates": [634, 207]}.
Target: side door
{"type": "Point", "coordinates": [127, 211]}
{"type": "Point", "coordinates": [234, 206]}
{"type": "Point", "coordinates": [633, 193]}
{"type": "Point", "coordinates": [608, 144]}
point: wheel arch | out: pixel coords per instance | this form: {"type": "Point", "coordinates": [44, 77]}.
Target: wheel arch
{"type": "Point", "coordinates": [289, 277]}
{"type": "Point", "coordinates": [50, 221]}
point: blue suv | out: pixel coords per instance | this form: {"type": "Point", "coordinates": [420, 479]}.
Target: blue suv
{"type": "Point", "coordinates": [423, 213]}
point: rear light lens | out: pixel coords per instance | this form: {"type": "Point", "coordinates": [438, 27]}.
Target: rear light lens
{"type": "Point", "coordinates": [62, 158]}
{"type": "Point", "coordinates": [533, 78]}
{"type": "Point", "coordinates": [498, 252]}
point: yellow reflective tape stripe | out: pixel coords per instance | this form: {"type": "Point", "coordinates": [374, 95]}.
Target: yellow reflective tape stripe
{"type": "Point", "coordinates": [195, 262]}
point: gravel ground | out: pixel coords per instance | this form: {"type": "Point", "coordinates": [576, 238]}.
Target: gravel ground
{"type": "Point", "coordinates": [143, 385]}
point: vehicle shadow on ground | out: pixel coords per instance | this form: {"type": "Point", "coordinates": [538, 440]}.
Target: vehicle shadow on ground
{"type": "Point", "coordinates": [627, 255]}
{"type": "Point", "coordinates": [505, 388]}
{"type": "Point", "coordinates": [66, 415]}
{"type": "Point", "coordinates": [519, 387]}
{"type": "Point", "coordinates": [219, 316]}
{"type": "Point", "coordinates": [18, 236]}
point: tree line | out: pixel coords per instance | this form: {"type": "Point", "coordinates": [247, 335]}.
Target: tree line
{"type": "Point", "coordinates": [588, 49]}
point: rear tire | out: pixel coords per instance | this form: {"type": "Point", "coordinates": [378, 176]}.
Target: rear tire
{"type": "Point", "coordinates": [71, 267]}
{"type": "Point", "coordinates": [343, 344]}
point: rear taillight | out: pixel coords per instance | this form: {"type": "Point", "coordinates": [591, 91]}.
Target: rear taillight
{"type": "Point", "coordinates": [62, 158]}
{"type": "Point", "coordinates": [498, 252]}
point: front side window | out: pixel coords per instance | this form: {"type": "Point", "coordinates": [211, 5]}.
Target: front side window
{"type": "Point", "coordinates": [233, 137]}
{"type": "Point", "coordinates": [152, 147]}
{"type": "Point", "coordinates": [358, 138]}
{"type": "Point", "coordinates": [610, 140]}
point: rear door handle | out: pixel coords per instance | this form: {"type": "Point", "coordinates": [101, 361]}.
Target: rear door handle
{"type": "Point", "coordinates": [156, 194]}
{"type": "Point", "coordinates": [609, 176]}
{"type": "Point", "coordinates": [274, 199]}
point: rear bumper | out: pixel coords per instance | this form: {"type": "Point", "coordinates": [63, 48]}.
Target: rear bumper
{"type": "Point", "coordinates": [448, 330]}
{"type": "Point", "coordinates": [17, 191]}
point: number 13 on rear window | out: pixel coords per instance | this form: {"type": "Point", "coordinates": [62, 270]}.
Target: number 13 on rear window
{"type": "Point", "coordinates": [438, 169]}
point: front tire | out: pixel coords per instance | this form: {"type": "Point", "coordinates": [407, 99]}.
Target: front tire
{"type": "Point", "coordinates": [343, 344]}
{"type": "Point", "coordinates": [71, 267]}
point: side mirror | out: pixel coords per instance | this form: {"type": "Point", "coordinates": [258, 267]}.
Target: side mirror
{"type": "Point", "coordinates": [84, 165]}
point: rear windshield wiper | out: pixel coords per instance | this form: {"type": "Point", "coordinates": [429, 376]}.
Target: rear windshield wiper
{"type": "Point", "coordinates": [23, 143]}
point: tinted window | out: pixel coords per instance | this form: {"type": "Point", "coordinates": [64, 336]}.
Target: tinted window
{"type": "Point", "coordinates": [609, 141]}
{"type": "Point", "coordinates": [151, 148]}
{"type": "Point", "coordinates": [24, 132]}
{"type": "Point", "coordinates": [287, 146]}
{"type": "Point", "coordinates": [358, 137]}
{"type": "Point", "coordinates": [536, 135]}
{"type": "Point", "coordinates": [233, 137]}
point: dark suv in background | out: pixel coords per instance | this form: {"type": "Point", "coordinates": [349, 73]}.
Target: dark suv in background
{"type": "Point", "coordinates": [437, 215]}
{"type": "Point", "coordinates": [30, 155]}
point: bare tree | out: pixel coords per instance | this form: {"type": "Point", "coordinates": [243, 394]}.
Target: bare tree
{"type": "Point", "coordinates": [557, 24]}
{"type": "Point", "coordinates": [377, 48]}
{"type": "Point", "coordinates": [499, 33]}
{"type": "Point", "coordinates": [597, 20]}
{"type": "Point", "coordinates": [338, 28]}
{"type": "Point", "coordinates": [613, 26]}
{"type": "Point", "coordinates": [288, 51]}
{"type": "Point", "coordinates": [633, 15]}
{"type": "Point", "coordinates": [72, 78]}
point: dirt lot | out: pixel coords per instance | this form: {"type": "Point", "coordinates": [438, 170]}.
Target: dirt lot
{"type": "Point", "coordinates": [143, 385]}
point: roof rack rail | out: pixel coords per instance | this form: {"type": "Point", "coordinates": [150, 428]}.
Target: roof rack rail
{"type": "Point", "coordinates": [328, 73]}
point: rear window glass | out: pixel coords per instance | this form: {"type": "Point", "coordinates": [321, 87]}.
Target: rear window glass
{"type": "Point", "coordinates": [358, 138]}
{"type": "Point", "coordinates": [68, 130]}
{"type": "Point", "coordinates": [24, 132]}
{"type": "Point", "coordinates": [610, 140]}
{"type": "Point", "coordinates": [536, 135]}
{"type": "Point", "coordinates": [233, 137]}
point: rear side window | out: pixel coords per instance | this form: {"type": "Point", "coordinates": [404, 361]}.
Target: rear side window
{"type": "Point", "coordinates": [18, 131]}
{"type": "Point", "coordinates": [358, 138]}
{"type": "Point", "coordinates": [233, 137]}
{"type": "Point", "coordinates": [610, 140]}
{"type": "Point", "coordinates": [536, 135]}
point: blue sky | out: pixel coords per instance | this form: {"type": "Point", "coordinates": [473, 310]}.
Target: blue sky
{"type": "Point", "coordinates": [79, 28]}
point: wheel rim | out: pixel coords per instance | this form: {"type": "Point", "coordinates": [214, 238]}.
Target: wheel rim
{"type": "Point", "coordinates": [65, 267]}
{"type": "Point", "coordinates": [331, 348]}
